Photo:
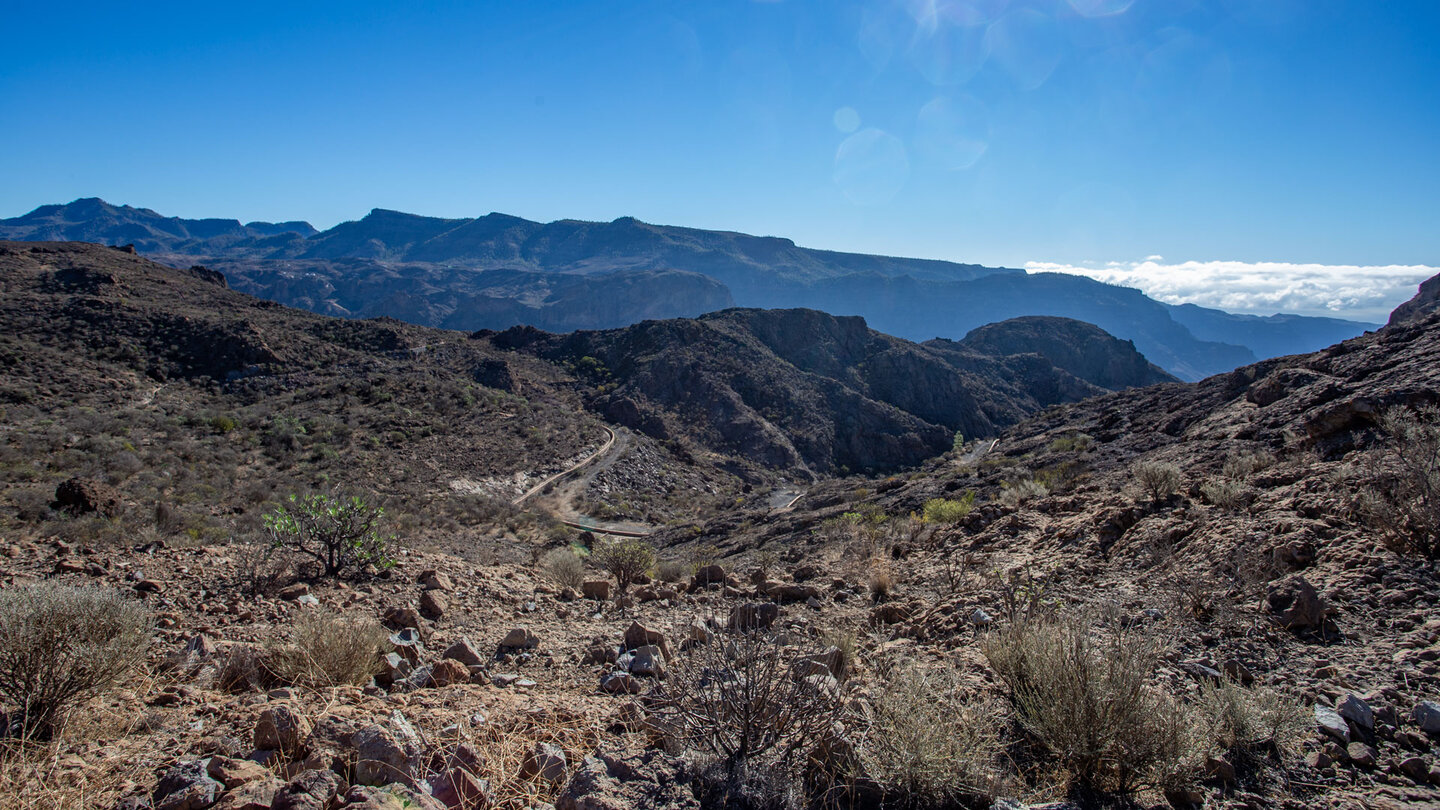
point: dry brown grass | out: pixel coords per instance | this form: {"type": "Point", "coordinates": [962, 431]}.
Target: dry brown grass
{"type": "Point", "coordinates": [329, 649]}
{"type": "Point", "coordinates": [1085, 698]}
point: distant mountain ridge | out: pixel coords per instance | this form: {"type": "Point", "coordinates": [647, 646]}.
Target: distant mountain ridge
{"type": "Point", "coordinates": [439, 272]}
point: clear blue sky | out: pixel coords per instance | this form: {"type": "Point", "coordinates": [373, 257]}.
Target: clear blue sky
{"type": "Point", "coordinates": [1062, 131]}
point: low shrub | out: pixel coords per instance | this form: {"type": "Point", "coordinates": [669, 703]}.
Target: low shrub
{"type": "Point", "coordinates": [1227, 494]}
{"type": "Point", "coordinates": [927, 743]}
{"type": "Point", "coordinates": [625, 558]}
{"type": "Point", "coordinates": [1251, 724]}
{"type": "Point", "coordinates": [61, 646]}
{"type": "Point", "coordinates": [564, 567]}
{"type": "Point", "coordinates": [671, 570]}
{"type": "Point", "coordinates": [948, 510]}
{"type": "Point", "coordinates": [1400, 496]}
{"type": "Point", "coordinates": [1157, 479]}
{"type": "Point", "coordinates": [1085, 699]}
{"type": "Point", "coordinates": [1017, 493]}
{"type": "Point", "coordinates": [329, 649]}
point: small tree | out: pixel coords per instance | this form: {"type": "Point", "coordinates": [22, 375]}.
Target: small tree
{"type": "Point", "coordinates": [61, 646]}
{"type": "Point", "coordinates": [1158, 479]}
{"type": "Point", "coordinates": [340, 534]}
{"type": "Point", "coordinates": [626, 558]}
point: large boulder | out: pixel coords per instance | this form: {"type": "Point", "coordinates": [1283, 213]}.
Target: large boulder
{"type": "Point", "coordinates": [281, 728]}
{"type": "Point", "coordinates": [645, 779]}
{"type": "Point", "coordinates": [1295, 604]}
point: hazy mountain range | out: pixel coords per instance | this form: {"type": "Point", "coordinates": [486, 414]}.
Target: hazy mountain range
{"type": "Point", "coordinates": [498, 271]}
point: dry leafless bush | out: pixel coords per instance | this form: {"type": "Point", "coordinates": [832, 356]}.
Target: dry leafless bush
{"type": "Point", "coordinates": [564, 567]}
{"type": "Point", "coordinates": [1157, 479]}
{"type": "Point", "coordinates": [1087, 701]}
{"type": "Point", "coordinates": [61, 646]}
{"type": "Point", "coordinates": [329, 649]}
{"type": "Point", "coordinates": [1240, 467]}
{"type": "Point", "coordinates": [738, 700]}
{"type": "Point", "coordinates": [927, 743]}
{"type": "Point", "coordinates": [671, 570]}
{"type": "Point", "coordinates": [1018, 493]}
{"type": "Point", "coordinates": [1400, 494]}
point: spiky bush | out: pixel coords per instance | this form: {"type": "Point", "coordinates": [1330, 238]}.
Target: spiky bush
{"type": "Point", "coordinates": [61, 646]}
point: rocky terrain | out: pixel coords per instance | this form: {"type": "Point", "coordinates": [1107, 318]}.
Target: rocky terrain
{"type": "Point", "coordinates": [1220, 541]}
{"type": "Point", "coordinates": [497, 271]}
{"type": "Point", "coordinates": [810, 393]}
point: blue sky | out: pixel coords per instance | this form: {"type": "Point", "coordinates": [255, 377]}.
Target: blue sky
{"type": "Point", "coordinates": [1062, 134]}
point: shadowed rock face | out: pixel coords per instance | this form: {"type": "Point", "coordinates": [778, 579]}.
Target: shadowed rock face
{"type": "Point", "coordinates": [802, 389]}
{"type": "Point", "coordinates": [1426, 301]}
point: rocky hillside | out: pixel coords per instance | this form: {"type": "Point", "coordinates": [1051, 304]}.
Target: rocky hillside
{"type": "Point", "coordinates": [1082, 349]}
{"type": "Point", "coordinates": [805, 391]}
{"type": "Point", "coordinates": [439, 272]}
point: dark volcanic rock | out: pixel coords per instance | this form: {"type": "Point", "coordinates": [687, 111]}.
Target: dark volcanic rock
{"type": "Point", "coordinates": [82, 495]}
{"type": "Point", "coordinates": [1084, 350]}
{"type": "Point", "coordinates": [1426, 301]}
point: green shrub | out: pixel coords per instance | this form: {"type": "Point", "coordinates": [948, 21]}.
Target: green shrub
{"type": "Point", "coordinates": [61, 646]}
{"type": "Point", "coordinates": [948, 510]}
{"type": "Point", "coordinates": [626, 558]}
{"type": "Point", "coordinates": [339, 534]}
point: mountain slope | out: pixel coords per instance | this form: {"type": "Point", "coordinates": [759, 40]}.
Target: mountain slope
{"type": "Point", "coordinates": [799, 389]}
{"type": "Point", "coordinates": [412, 267]}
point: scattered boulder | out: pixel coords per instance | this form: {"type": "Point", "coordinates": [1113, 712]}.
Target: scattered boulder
{"type": "Point", "coordinates": [233, 773]}
{"type": "Point", "coordinates": [433, 605]}
{"type": "Point", "coordinates": [313, 789]}
{"type": "Point", "coordinates": [465, 652]}
{"type": "Point", "coordinates": [544, 761]}
{"type": "Point", "coordinates": [186, 786]}
{"type": "Point", "coordinates": [646, 660]}
{"type": "Point", "coordinates": [1331, 723]}
{"type": "Point", "coordinates": [646, 779]}
{"type": "Point", "coordinates": [519, 639]}
{"type": "Point", "coordinates": [384, 755]}
{"type": "Point", "coordinates": [1295, 604]}
{"type": "Point", "coordinates": [595, 589]}
{"type": "Point", "coordinates": [708, 575]}
{"type": "Point", "coordinates": [432, 580]}
{"type": "Point", "coordinates": [292, 592]}
{"type": "Point", "coordinates": [400, 618]}
{"type": "Point", "coordinates": [754, 616]}
{"type": "Point", "coordinates": [1357, 711]}
{"type": "Point", "coordinates": [281, 728]}
{"type": "Point", "coordinates": [448, 671]}
{"type": "Point", "coordinates": [620, 683]}
{"type": "Point", "coordinates": [638, 635]}
{"type": "Point", "coordinates": [1427, 717]}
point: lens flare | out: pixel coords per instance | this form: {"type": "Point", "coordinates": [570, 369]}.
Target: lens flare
{"type": "Point", "coordinates": [871, 167]}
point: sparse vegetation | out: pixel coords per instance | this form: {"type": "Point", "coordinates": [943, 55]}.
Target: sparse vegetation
{"type": "Point", "coordinates": [329, 649]}
{"type": "Point", "coordinates": [1226, 493]}
{"type": "Point", "coordinates": [564, 567]}
{"type": "Point", "coordinates": [61, 646]}
{"type": "Point", "coordinates": [734, 699]}
{"type": "Point", "coordinates": [929, 744]}
{"type": "Point", "coordinates": [340, 534]}
{"type": "Point", "coordinates": [625, 558]}
{"type": "Point", "coordinates": [1015, 494]}
{"type": "Point", "coordinates": [1084, 698]}
{"type": "Point", "coordinates": [1400, 497]}
{"type": "Point", "coordinates": [1249, 724]}
{"type": "Point", "coordinates": [949, 510]}
{"type": "Point", "coordinates": [1157, 479]}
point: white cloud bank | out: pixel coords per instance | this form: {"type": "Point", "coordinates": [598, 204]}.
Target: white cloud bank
{"type": "Point", "coordinates": [1263, 288]}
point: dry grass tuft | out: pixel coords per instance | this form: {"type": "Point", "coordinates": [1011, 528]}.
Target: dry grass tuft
{"type": "Point", "coordinates": [329, 649]}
